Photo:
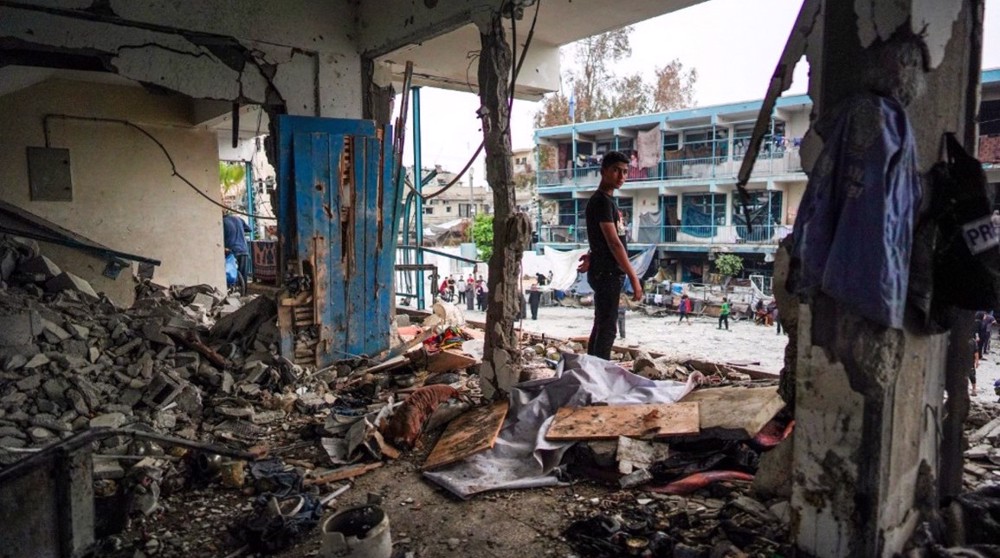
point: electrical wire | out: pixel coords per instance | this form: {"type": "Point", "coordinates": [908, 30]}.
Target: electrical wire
{"type": "Point", "coordinates": [173, 166]}
{"type": "Point", "coordinates": [510, 103]}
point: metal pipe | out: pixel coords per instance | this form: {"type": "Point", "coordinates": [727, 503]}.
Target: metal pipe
{"type": "Point", "coordinates": [418, 186]}
{"type": "Point", "coordinates": [250, 206]}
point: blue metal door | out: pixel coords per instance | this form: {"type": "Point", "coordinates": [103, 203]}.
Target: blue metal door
{"type": "Point", "coordinates": [338, 218]}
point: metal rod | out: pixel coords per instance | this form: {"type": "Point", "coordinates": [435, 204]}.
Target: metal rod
{"type": "Point", "coordinates": [418, 186]}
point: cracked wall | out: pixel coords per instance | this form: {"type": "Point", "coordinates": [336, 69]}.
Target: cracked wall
{"type": "Point", "coordinates": [124, 196]}
{"type": "Point", "coordinates": [296, 54]}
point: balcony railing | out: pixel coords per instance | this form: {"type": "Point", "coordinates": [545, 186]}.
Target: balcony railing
{"type": "Point", "coordinates": [679, 234]}
{"type": "Point", "coordinates": [774, 163]}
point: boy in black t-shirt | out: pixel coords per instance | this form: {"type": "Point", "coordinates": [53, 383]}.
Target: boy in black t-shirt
{"type": "Point", "coordinates": [607, 262]}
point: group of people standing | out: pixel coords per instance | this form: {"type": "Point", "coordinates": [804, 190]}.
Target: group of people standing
{"type": "Point", "coordinates": [471, 291]}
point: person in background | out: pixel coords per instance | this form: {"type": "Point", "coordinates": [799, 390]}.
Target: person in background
{"type": "Point", "coordinates": [621, 321]}
{"type": "Point", "coordinates": [534, 298]}
{"type": "Point", "coordinates": [607, 264]}
{"type": "Point", "coordinates": [470, 293]}
{"type": "Point", "coordinates": [233, 230]}
{"type": "Point", "coordinates": [481, 293]}
{"type": "Point", "coordinates": [460, 285]}
{"type": "Point", "coordinates": [986, 333]}
{"type": "Point", "coordinates": [724, 314]}
{"type": "Point", "coordinates": [684, 309]}
{"type": "Point", "coordinates": [974, 345]}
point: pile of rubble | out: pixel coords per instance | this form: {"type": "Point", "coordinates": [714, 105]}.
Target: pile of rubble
{"type": "Point", "coordinates": [982, 463]}
{"type": "Point", "coordinates": [72, 360]}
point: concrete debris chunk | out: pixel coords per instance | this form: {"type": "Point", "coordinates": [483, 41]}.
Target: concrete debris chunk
{"type": "Point", "coordinates": [20, 328]}
{"type": "Point", "coordinates": [108, 420]}
{"type": "Point", "coordinates": [68, 282]}
{"type": "Point", "coordinates": [38, 268]}
{"type": "Point", "coordinates": [36, 361]}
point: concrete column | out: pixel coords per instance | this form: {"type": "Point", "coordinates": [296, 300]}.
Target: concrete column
{"type": "Point", "coordinates": [511, 228]}
{"type": "Point", "coordinates": [868, 400]}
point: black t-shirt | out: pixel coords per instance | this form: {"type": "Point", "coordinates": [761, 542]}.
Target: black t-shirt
{"type": "Point", "coordinates": [602, 209]}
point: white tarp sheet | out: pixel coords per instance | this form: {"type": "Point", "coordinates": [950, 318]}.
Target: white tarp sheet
{"type": "Point", "coordinates": [522, 457]}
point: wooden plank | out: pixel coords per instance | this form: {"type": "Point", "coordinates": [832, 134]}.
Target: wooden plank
{"type": "Point", "coordinates": [608, 422]}
{"type": "Point", "coordinates": [377, 327]}
{"type": "Point", "coordinates": [735, 412]}
{"type": "Point", "coordinates": [391, 364]}
{"type": "Point", "coordinates": [449, 359]}
{"type": "Point", "coordinates": [469, 434]}
{"type": "Point", "coordinates": [344, 473]}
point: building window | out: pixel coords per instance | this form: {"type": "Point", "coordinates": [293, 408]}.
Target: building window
{"type": "Point", "coordinates": [765, 215]}
{"type": "Point", "coordinates": [702, 213]}
{"type": "Point", "coordinates": [465, 210]}
{"type": "Point", "coordinates": [447, 209]}
{"type": "Point", "coordinates": [428, 211]}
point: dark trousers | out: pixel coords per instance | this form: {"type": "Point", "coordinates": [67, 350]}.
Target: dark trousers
{"type": "Point", "coordinates": [534, 298]}
{"type": "Point", "coordinates": [470, 300]}
{"type": "Point", "coordinates": [607, 288]}
{"type": "Point", "coordinates": [724, 319]}
{"type": "Point", "coordinates": [621, 324]}
{"type": "Point", "coordinates": [778, 325]}
{"type": "Point", "coordinates": [684, 316]}
{"type": "Point", "coordinates": [243, 264]}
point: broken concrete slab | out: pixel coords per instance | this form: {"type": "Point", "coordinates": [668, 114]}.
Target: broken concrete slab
{"type": "Point", "coordinates": [66, 281]}
{"type": "Point", "coordinates": [20, 328]}
{"type": "Point", "coordinates": [108, 420]}
{"type": "Point", "coordinates": [36, 361]}
{"type": "Point", "coordinates": [39, 268]}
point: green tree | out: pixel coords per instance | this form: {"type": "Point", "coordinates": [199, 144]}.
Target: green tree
{"type": "Point", "coordinates": [482, 235]}
{"type": "Point", "coordinates": [231, 175]}
{"type": "Point", "coordinates": [729, 266]}
{"type": "Point", "coordinates": [601, 93]}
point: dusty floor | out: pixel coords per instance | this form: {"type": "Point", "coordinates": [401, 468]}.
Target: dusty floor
{"type": "Point", "coordinates": [744, 342]}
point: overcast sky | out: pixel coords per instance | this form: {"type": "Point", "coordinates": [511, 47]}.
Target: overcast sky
{"type": "Point", "coordinates": [733, 44]}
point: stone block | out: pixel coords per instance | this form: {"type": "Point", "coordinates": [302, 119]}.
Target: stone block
{"type": "Point", "coordinates": [20, 329]}
{"type": "Point", "coordinates": [79, 331]}
{"type": "Point", "coordinates": [153, 332]}
{"type": "Point", "coordinates": [36, 361]}
{"type": "Point", "coordinates": [108, 420]}
{"type": "Point", "coordinates": [15, 362]}
{"type": "Point", "coordinates": [55, 388]}
{"type": "Point", "coordinates": [54, 332]}
{"type": "Point", "coordinates": [30, 383]}
{"type": "Point", "coordinates": [68, 282]}
{"type": "Point", "coordinates": [40, 268]}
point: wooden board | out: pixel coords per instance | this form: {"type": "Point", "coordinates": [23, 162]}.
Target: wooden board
{"type": "Point", "coordinates": [735, 412]}
{"type": "Point", "coordinates": [469, 434]}
{"type": "Point", "coordinates": [447, 360]}
{"type": "Point", "coordinates": [608, 422]}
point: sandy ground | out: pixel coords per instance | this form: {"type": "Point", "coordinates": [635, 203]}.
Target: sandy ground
{"type": "Point", "coordinates": [744, 342]}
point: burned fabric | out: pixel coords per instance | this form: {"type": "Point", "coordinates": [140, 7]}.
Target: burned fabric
{"type": "Point", "coordinates": [407, 422]}
{"type": "Point", "coordinates": [854, 230]}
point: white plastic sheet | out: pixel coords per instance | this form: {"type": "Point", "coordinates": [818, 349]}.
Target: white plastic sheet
{"type": "Point", "coordinates": [522, 457]}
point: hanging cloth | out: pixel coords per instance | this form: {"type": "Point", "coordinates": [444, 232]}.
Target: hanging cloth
{"type": "Point", "coordinates": [648, 144]}
{"type": "Point", "coordinates": [854, 230]}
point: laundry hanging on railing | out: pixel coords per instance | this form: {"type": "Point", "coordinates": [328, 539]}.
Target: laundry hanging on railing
{"type": "Point", "coordinates": [696, 222]}
{"type": "Point", "coordinates": [648, 144]}
{"type": "Point", "coordinates": [649, 227]}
